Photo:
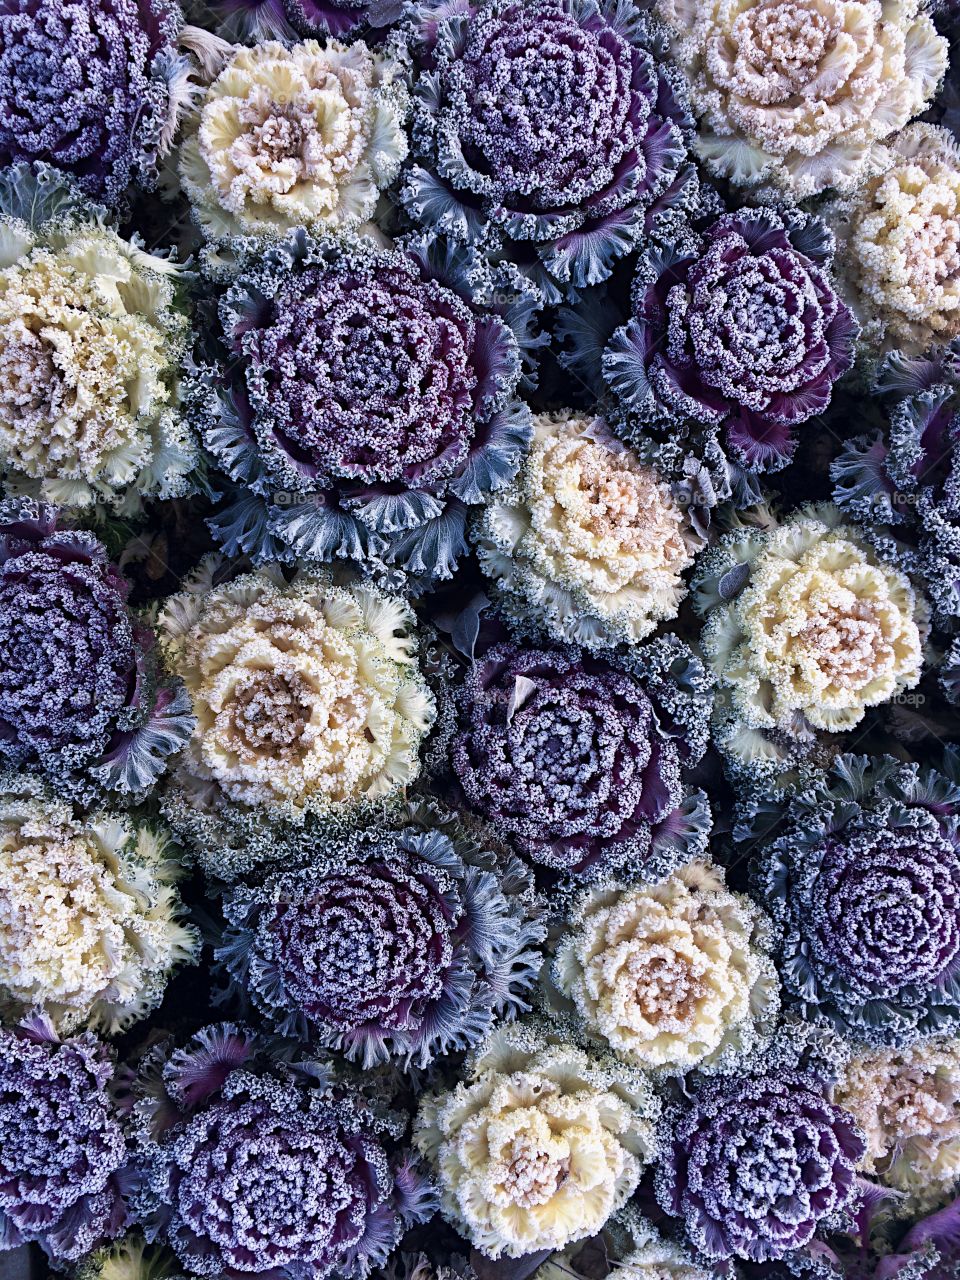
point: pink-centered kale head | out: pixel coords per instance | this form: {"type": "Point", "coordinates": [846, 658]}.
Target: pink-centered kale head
{"type": "Point", "coordinates": [374, 402]}
{"type": "Point", "coordinates": [738, 327]}
{"type": "Point", "coordinates": [579, 761]}
{"type": "Point", "coordinates": [90, 86]}
{"type": "Point", "coordinates": [79, 691]}
{"type": "Point", "coordinates": [258, 1161]}
{"type": "Point", "coordinates": [407, 945]}
{"type": "Point", "coordinates": [63, 1154]}
{"type": "Point", "coordinates": [551, 129]}
{"type": "Point", "coordinates": [863, 884]}
{"type": "Point", "coordinates": [754, 1164]}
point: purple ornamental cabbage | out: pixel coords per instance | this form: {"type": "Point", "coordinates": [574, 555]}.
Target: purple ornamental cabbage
{"type": "Point", "coordinates": [578, 760]}
{"type": "Point", "coordinates": [754, 1164]}
{"type": "Point", "coordinates": [903, 481]}
{"type": "Point", "coordinates": [864, 890]}
{"type": "Point", "coordinates": [739, 326]}
{"type": "Point", "coordinates": [291, 20]}
{"type": "Point", "coordinates": [257, 1163]}
{"type": "Point", "coordinates": [79, 696]}
{"type": "Point", "coordinates": [63, 1154]}
{"type": "Point", "coordinates": [372, 404]}
{"type": "Point", "coordinates": [90, 86]}
{"type": "Point", "coordinates": [404, 945]}
{"type": "Point", "coordinates": [551, 129]}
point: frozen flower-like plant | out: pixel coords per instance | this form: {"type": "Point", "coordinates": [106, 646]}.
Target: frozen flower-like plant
{"type": "Point", "coordinates": [907, 1101]}
{"type": "Point", "coordinates": [90, 927]}
{"type": "Point", "coordinates": [373, 402]}
{"type": "Point", "coordinates": [900, 242]}
{"type": "Point", "coordinates": [256, 1162]}
{"type": "Point", "coordinates": [80, 697]}
{"type": "Point", "coordinates": [538, 1145]}
{"type": "Point", "coordinates": [674, 975]}
{"type": "Point", "coordinates": [901, 483]}
{"type": "Point", "coordinates": [800, 91]}
{"type": "Point", "coordinates": [550, 127]}
{"type": "Point", "coordinates": [806, 628]}
{"type": "Point", "coordinates": [301, 136]}
{"type": "Point", "coordinates": [753, 1164]}
{"type": "Point", "coordinates": [864, 889]}
{"type": "Point", "coordinates": [587, 543]}
{"type": "Point", "coordinates": [308, 699]}
{"type": "Point", "coordinates": [64, 1162]}
{"type": "Point", "coordinates": [93, 87]}
{"type": "Point", "coordinates": [399, 944]}
{"type": "Point", "coordinates": [739, 326]}
{"type": "Point", "coordinates": [578, 761]}
{"type": "Point", "coordinates": [91, 341]}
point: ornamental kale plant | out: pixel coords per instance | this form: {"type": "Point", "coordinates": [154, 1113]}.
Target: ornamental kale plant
{"type": "Point", "coordinates": [256, 1162]}
{"type": "Point", "coordinates": [578, 761]}
{"type": "Point", "coordinates": [81, 694]}
{"type": "Point", "coordinates": [94, 87]}
{"type": "Point", "coordinates": [863, 885]}
{"type": "Point", "coordinates": [755, 1163]}
{"type": "Point", "coordinates": [372, 404]}
{"type": "Point", "coordinates": [738, 326]}
{"type": "Point", "coordinates": [552, 131]}
{"type": "Point", "coordinates": [400, 944]}
{"type": "Point", "coordinates": [64, 1159]}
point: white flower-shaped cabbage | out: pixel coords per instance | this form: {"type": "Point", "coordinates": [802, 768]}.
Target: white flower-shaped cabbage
{"type": "Point", "coordinates": [305, 136]}
{"type": "Point", "coordinates": [907, 1101]}
{"type": "Point", "coordinates": [673, 975]}
{"type": "Point", "coordinates": [538, 1147]}
{"type": "Point", "coordinates": [89, 927]}
{"type": "Point", "coordinates": [800, 91]}
{"type": "Point", "coordinates": [822, 629]}
{"type": "Point", "coordinates": [305, 695]}
{"type": "Point", "coordinates": [90, 349]}
{"type": "Point", "coordinates": [900, 242]}
{"type": "Point", "coordinates": [587, 541]}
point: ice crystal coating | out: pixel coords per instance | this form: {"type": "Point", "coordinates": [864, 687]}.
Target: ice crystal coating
{"type": "Point", "coordinates": [86, 85]}
{"type": "Point", "coordinates": [538, 1145]}
{"type": "Point", "coordinates": [907, 1102]}
{"type": "Point", "coordinates": [578, 761]}
{"type": "Point", "coordinates": [131, 1258]}
{"type": "Point", "coordinates": [62, 1149]}
{"type": "Point", "coordinates": [551, 127]}
{"type": "Point", "coordinates": [902, 483]}
{"type": "Point", "coordinates": [307, 696]}
{"type": "Point", "coordinates": [588, 543]}
{"type": "Point", "coordinates": [89, 919]}
{"type": "Point", "coordinates": [806, 628]}
{"type": "Point", "coordinates": [373, 403]}
{"type": "Point", "coordinates": [675, 975]}
{"type": "Point", "coordinates": [800, 91]}
{"type": "Point", "coordinates": [79, 696]}
{"type": "Point", "coordinates": [90, 346]}
{"type": "Point", "coordinates": [738, 326]}
{"type": "Point", "coordinates": [754, 1163]}
{"type": "Point", "coordinates": [900, 242]}
{"type": "Point", "coordinates": [257, 1162]}
{"type": "Point", "coordinates": [402, 944]}
{"type": "Point", "coordinates": [301, 136]}
{"type": "Point", "coordinates": [864, 889]}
